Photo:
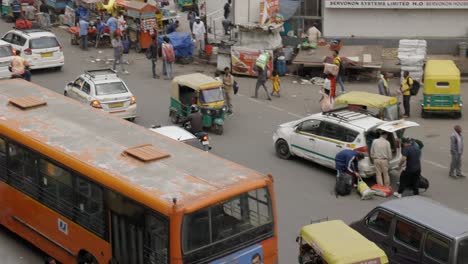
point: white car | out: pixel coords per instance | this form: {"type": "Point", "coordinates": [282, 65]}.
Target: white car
{"type": "Point", "coordinates": [103, 89]}
{"type": "Point", "coordinates": [6, 54]}
{"type": "Point", "coordinates": [39, 47]}
{"type": "Point", "coordinates": [321, 136]}
{"type": "Point", "coordinates": [182, 135]}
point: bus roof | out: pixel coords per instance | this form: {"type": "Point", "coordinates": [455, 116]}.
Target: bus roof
{"type": "Point", "coordinates": [89, 140]}
{"type": "Point", "coordinates": [441, 68]}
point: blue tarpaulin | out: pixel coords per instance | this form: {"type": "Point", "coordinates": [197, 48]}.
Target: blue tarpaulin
{"type": "Point", "coordinates": [288, 8]}
{"type": "Point", "coordinates": [182, 43]}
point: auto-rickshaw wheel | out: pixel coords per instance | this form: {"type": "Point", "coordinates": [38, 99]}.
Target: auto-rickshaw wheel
{"type": "Point", "coordinates": [457, 115]}
{"type": "Point", "coordinates": [424, 114]}
{"type": "Point", "coordinates": [174, 117]}
{"type": "Point", "coordinates": [218, 129]}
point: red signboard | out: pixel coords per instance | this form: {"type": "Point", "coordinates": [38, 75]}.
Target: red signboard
{"type": "Point", "coordinates": [243, 60]}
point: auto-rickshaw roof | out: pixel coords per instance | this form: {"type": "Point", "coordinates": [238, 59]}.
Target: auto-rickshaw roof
{"type": "Point", "coordinates": [365, 98]}
{"type": "Point", "coordinates": [196, 81]}
{"type": "Point", "coordinates": [337, 243]}
{"type": "Point", "coordinates": [441, 69]}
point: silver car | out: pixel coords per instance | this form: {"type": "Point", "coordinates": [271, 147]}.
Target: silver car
{"type": "Point", "coordinates": [104, 90]}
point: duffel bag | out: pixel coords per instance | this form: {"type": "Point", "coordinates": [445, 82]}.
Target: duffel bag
{"type": "Point", "coordinates": [344, 184]}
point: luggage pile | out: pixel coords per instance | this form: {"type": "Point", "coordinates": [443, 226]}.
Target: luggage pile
{"type": "Point", "coordinates": [412, 55]}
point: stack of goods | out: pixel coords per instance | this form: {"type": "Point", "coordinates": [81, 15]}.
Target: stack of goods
{"type": "Point", "coordinates": [412, 55]}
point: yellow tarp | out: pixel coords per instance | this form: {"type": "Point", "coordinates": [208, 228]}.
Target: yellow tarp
{"type": "Point", "coordinates": [338, 243]}
{"type": "Point", "coordinates": [436, 69]}
{"type": "Point", "coordinates": [365, 98]}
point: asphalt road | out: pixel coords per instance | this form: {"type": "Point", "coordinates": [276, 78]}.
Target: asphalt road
{"type": "Point", "coordinates": [304, 191]}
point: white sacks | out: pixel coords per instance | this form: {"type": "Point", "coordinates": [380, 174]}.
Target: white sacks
{"type": "Point", "coordinates": [412, 55]}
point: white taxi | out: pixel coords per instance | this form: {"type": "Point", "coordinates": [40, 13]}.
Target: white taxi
{"type": "Point", "coordinates": [321, 136]}
{"type": "Point", "coordinates": [39, 47]}
{"type": "Point", "coordinates": [103, 89]}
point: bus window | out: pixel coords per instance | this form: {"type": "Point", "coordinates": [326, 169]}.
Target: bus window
{"type": "Point", "coordinates": [463, 251]}
{"type": "Point", "coordinates": [157, 244]}
{"type": "Point", "coordinates": [225, 225]}
{"type": "Point", "coordinates": [57, 187]}
{"type": "Point", "coordinates": [22, 171]}
{"type": "Point", "coordinates": [89, 204]}
{"type": "Point", "coordinates": [3, 164]}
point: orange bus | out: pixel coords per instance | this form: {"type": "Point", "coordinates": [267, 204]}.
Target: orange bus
{"type": "Point", "coordinates": [86, 187]}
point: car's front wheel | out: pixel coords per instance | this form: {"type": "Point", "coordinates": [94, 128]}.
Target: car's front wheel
{"type": "Point", "coordinates": [282, 149]}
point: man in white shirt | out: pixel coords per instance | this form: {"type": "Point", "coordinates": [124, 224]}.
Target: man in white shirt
{"type": "Point", "coordinates": [314, 34]}
{"type": "Point", "coordinates": [199, 34]}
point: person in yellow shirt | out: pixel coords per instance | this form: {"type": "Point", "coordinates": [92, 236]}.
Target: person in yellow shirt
{"type": "Point", "coordinates": [275, 79]}
{"type": "Point", "coordinates": [405, 87]}
{"type": "Point", "coordinates": [339, 77]}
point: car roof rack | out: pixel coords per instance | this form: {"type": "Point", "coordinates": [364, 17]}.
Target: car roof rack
{"type": "Point", "coordinates": [345, 114]}
{"type": "Point", "coordinates": [30, 30]}
{"type": "Point", "coordinates": [101, 73]}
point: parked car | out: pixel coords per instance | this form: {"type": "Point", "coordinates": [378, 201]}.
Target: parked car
{"type": "Point", "coordinates": [6, 54]}
{"type": "Point", "coordinates": [39, 47]}
{"type": "Point", "coordinates": [321, 136]}
{"type": "Point", "coordinates": [415, 230]}
{"type": "Point", "coordinates": [180, 134]}
{"type": "Point", "coordinates": [103, 89]}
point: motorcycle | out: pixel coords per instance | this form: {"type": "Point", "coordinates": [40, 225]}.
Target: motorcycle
{"type": "Point", "coordinates": [201, 136]}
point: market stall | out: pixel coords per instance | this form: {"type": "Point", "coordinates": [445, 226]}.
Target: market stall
{"type": "Point", "coordinates": [141, 21]}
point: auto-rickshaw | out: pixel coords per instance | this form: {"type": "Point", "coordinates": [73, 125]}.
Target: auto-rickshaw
{"type": "Point", "coordinates": [381, 106]}
{"type": "Point", "coordinates": [441, 92]}
{"type": "Point", "coordinates": [334, 242]}
{"type": "Point", "coordinates": [202, 90]}
{"type": "Point", "coordinates": [184, 4]}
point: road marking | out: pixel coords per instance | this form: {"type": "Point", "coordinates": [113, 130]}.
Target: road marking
{"type": "Point", "coordinates": [435, 164]}
{"type": "Point", "coordinates": [255, 100]}
{"type": "Point", "coordinates": [296, 115]}
{"type": "Point", "coordinates": [276, 108]}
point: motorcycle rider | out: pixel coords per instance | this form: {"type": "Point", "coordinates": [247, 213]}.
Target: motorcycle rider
{"type": "Point", "coordinates": [19, 67]}
{"type": "Point", "coordinates": [196, 120]}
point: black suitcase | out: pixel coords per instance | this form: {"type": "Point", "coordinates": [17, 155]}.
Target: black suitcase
{"type": "Point", "coordinates": [344, 184]}
{"type": "Point", "coordinates": [423, 183]}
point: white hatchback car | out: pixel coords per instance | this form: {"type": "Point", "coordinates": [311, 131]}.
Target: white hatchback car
{"type": "Point", "coordinates": [103, 89]}
{"type": "Point", "coordinates": [39, 47]}
{"type": "Point", "coordinates": [6, 54]}
{"type": "Point", "coordinates": [321, 136]}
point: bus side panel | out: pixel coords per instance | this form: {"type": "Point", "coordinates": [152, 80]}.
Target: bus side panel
{"type": "Point", "coordinates": [270, 250]}
{"type": "Point", "coordinates": [28, 214]}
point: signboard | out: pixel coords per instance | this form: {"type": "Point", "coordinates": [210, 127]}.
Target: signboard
{"type": "Point", "coordinates": [250, 255]}
{"type": "Point", "coordinates": [397, 4]}
{"type": "Point", "coordinates": [268, 9]}
{"type": "Point", "coordinates": [243, 60]}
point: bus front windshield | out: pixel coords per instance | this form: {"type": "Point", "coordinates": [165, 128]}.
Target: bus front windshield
{"type": "Point", "coordinates": [211, 95]}
{"type": "Point", "coordinates": [233, 223]}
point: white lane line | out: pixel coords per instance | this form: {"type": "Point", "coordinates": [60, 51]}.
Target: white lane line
{"type": "Point", "coordinates": [296, 115]}
{"type": "Point", "coordinates": [255, 100]}
{"type": "Point", "coordinates": [435, 164]}
{"type": "Point", "coordinates": [276, 108]}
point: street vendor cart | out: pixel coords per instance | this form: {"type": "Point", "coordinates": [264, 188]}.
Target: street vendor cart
{"type": "Point", "coordinates": [141, 21]}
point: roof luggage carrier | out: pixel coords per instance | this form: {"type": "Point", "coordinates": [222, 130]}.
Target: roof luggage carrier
{"type": "Point", "coordinates": [101, 73]}
{"type": "Point", "coordinates": [344, 114]}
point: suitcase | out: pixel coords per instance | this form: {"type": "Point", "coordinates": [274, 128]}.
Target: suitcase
{"type": "Point", "coordinates": [126, 46]}
{"type": "Point", "coordinates": [381, 190]}
{"type": "Point", "coordinates": [423, 183]}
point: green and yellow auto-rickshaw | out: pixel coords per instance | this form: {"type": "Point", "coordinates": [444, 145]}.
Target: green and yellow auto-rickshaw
{"type": "Point", "coordinates": [185, 4]}
{"type": "Point", "coordinates": [381, 106]}
{"type": "Point", "coordinates": [334, 242]}
{"type": "Point", "coordinates": [441, 92]}
{"type": "Point", "coordinates": [202, 90]}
